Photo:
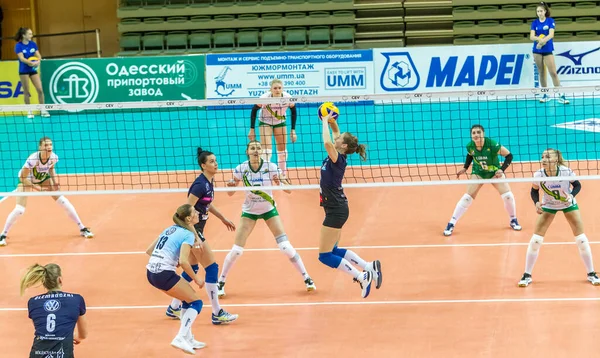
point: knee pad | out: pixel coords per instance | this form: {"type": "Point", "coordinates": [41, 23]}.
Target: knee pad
{"type": "Point", "coordinates": [535, 243]}
{"type": "Point", "coordinates": [282, 155]}
{"type": "Point", "coordinates": [285, 247]}
{"type": "Point", "coordinates": [329, 259]}
{"type": "Point", "coordinates": [20, 209]}
{"type": "Point", "coordinates": [465, 201]}
{"type": "Point", "coordinates": [186, 276]}
{"type": "Point", "coordinates": [582, 243]}
{"type": "Point", "coordinates": [339, 252]}
{"type": "Point", "coordinates": [266, 155]}
{"type": "Point", "coordinates": [196, 305]}
{"type": "Point", "coordinates": [237, 250]}
{"type": "Point", "coordinates": [62, 200]}
{"type": "Point", "coordinates": [212, 273]}
{"type": "Point", "coordinates": [508, 196]}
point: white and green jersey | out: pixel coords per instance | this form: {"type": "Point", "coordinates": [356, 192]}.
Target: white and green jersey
{"type": "Point", "coordinates": [39, 171]}
{"type": "Point", "coordinates": [257, 201]}
{"type": "Point", "coordinates": [274, 113]}
{"type": "Point", "coordinates": [556, 193]}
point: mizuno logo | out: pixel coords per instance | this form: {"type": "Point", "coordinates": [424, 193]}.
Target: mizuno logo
{"type": "Point", "coordinates": [577, 59]}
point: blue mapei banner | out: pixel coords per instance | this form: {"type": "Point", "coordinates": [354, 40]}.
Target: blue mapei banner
{"type": "Point", "coordinates": [315, 73]}
{"type": "Point", "coordinates": [452, 68]}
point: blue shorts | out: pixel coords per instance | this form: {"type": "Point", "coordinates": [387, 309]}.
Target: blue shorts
{"type": "Point", "coordinates": [164, 280]}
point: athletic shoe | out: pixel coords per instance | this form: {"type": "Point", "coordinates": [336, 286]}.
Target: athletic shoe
{"type": "Point", "coordinates": [45, 114]}
{"type": "Point", "coordinates": [377, 275]}
{"type": "Point", "coordinates": [563, 100]}
{"type": "Point", "coordinates": [194, 343]}
{"type": "Point", "coordinates": [310, 284]}
{"type": "Point", "coordinates": [174, 313]}
{"type": "Point", "coordinates": [365, 279]}
{"type": "Point", "coordinates": [593, 278]}
{"type": "Point", "coordinates": [514, 224]}
{"type": "Point", "coordinates": [544, 98]}
{"type": "Point", "coordinates": [449, 229]}
{"type": "Point", "coordinates": [181, 343]}
{"type": "Point", "coordinates": [85, 232]}
{"type": "Point", "coordinates": [2, 240]}
{"type": "Point", "coordinates": [30, 115]}
{"type": "Point", "coordinates": [526, 280]}
{"type": "Point", "coordinates": [223, 317]}
{"type": "Point", "coordinates": [221, 289]}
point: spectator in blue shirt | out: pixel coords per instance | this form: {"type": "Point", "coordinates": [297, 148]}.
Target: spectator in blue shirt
{"type": "Point", "coordinates": [29, 61]}
{"type": "Point", "coordinates": [542, 35]}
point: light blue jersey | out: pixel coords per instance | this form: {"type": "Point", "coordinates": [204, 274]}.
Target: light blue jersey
{"type": "Point", "coordinates": [165, 256]}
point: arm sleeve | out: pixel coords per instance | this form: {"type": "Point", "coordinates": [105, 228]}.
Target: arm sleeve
{"type": "Point", "coordinates": [82, 308]}
{"type": "Point", "coordinates": [552, 24]}
{"type": "Point", "coordinates": [535, 195]}
{"type": "Point", "coordinates": [253, 116]}
{"type": "Point", "coordinates": [294, 117]}
{"type": "Point", "coordinates": [576, 187]}
{"type": "Point", "coordinates": [274, 170]}
{"type": "Point", "coordinates": [189, 238]}
{"type": "Point", "coordinates": [198, 191]}
{"type": "Point", "coordinates": [533, 25]}
{"type": "Point", "coordinates": [507, 160]}
{"type": "Point", "coordinates": [237, 172]}
{"type": "Point", "coordinates": [29, 163]}
{"type": "Point", "coordinates": [468, 161]}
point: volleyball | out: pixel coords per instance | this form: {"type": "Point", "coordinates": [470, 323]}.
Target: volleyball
{"type": "Point", "coordinates": [328, 108]}
{"type": "Point", "coordinates": [34, 59]}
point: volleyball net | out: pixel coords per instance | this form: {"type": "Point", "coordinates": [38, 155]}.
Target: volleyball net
{"type": "Point", "coordinates": [412, 139]}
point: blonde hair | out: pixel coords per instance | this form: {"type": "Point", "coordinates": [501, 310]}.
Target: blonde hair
{"type": "Point", "coordinates": [276, 80]}
{"type": "Point", "coordinates": [560, 159]}
{"type": "Point", "coordinates": [353, 147]}
{"type": "Point", "coordinates": [181, 214]}
{"type": "Point", "coordinates": [48, 275]}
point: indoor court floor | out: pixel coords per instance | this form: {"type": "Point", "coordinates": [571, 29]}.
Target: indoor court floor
{"type": "Point", "coordinates": [440, 297]}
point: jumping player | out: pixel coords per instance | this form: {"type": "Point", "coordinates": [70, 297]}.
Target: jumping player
{"type": "Point", "coordinates": [335, 204]}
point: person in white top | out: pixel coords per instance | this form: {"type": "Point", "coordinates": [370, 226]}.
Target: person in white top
{"type": "Point", "coordinates": [273, 121]}
{"type": "Point", "coordinates": [39, 174]}
{"type": "Point", "coordinates": [557, 196]}
{"type": "Point", "coordinates": [260, 204]}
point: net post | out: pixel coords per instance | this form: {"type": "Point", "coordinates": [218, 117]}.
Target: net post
{"type": "Point", "coordinates": [98, 50]}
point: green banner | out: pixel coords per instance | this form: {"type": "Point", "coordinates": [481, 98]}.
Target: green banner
{"type": "Point", "coordinates": [124, 79]}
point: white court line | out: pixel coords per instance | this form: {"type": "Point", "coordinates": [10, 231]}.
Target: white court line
{"type": "Point", "coordinates": [352, 303]}
{"type": "Point", "coordinates": [6, 197]}
{"type": "Point", "coordinates": [501, 244]}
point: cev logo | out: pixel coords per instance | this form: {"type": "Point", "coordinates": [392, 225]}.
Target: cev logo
{"type": "Point", "coordinates": [74, 82]}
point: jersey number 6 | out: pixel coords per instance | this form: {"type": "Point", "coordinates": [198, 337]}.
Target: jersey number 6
{"type": "Point", "coordinates": [51, 322]}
